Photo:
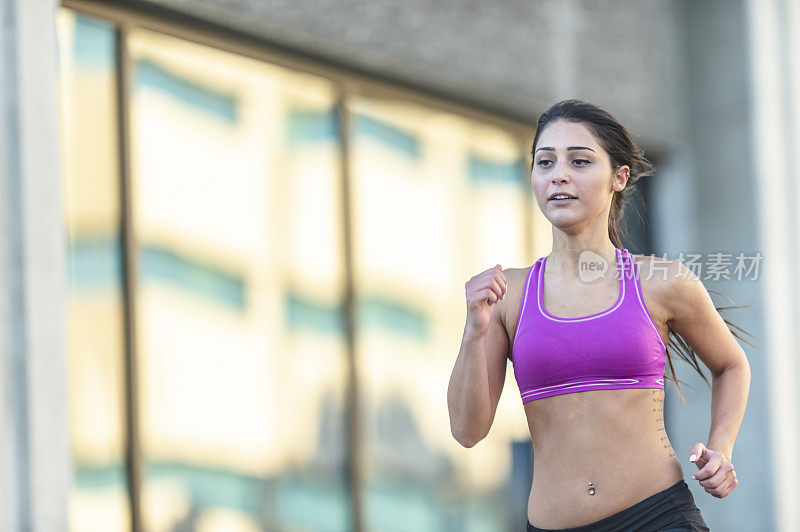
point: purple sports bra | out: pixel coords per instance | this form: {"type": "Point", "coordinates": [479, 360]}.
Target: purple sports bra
{"type": "Point", "coordinates": [619, 347]}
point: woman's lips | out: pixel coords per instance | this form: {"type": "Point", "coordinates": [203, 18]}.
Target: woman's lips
{"type": "Point", "coordinates": [562, 201]}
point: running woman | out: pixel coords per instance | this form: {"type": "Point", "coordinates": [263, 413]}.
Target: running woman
{"type": "Point", "coordinates": [587, 337]}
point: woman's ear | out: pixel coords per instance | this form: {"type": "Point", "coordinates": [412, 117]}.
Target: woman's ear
{"type": "Point", "coordinates": [622, 175]}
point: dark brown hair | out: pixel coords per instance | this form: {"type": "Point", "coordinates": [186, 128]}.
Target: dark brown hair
{"type": "Point", "coordinates": [622, 150]}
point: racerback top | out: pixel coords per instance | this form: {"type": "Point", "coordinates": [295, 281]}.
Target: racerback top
{"type": "Point", "coordinates": [619, 347]}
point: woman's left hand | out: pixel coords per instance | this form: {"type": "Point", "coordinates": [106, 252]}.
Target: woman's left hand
{"type": "Point", "coordinates": [716, 473]}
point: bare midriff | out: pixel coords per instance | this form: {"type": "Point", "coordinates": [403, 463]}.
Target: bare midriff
{"type": "Point", "coordinates": [613, 439]}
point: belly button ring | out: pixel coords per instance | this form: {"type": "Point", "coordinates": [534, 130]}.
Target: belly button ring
{"type": "Point", "coordinates": [591, 490]}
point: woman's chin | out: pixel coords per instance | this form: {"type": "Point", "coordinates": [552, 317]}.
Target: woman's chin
{"type": "Point", "coordinates": [562, 219]}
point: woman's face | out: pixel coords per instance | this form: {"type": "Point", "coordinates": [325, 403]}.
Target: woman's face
{"type": "Point", "coordinates": [584, 172]}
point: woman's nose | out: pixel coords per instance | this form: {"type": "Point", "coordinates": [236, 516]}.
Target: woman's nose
{"type": "Point", "coordinates": [561, 173]}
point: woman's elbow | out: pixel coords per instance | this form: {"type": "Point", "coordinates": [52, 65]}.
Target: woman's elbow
{"type": "Point", "coordinates": [466, 440]}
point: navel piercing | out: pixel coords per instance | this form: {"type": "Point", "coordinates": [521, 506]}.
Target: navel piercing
{"type": "Point", "coordinates": [591, 490]}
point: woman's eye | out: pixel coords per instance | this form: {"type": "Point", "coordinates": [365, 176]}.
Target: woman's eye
{"type": "Point", "coordinates": [542, 161]}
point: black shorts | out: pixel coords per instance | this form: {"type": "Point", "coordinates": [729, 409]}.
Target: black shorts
{"type": "Point", "coordinates": [669, 509]}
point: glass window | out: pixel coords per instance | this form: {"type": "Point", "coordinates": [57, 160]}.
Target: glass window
{"type": "Point", "coordinates": [95, 332]}
{"type": "Point", "coordinates": [237, 203]}
{"type": "Point", "coordinates": [438, 198]}
{"type": "Point", "coordinates": [241, 344]}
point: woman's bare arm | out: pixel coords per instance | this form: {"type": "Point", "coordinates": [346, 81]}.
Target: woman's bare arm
{"type": "Point", "coordinates": [477, 380]}
{"type": "Point", "coordinates": [692, 315]}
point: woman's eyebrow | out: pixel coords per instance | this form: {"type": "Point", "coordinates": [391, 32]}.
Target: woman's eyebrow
{"type": "Point", "coordinates": [569, 148]}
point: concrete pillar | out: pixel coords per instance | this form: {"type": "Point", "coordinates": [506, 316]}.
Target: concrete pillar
{"type": "Point", "coordinates": [35, 466]}
{"type": "Point", "coordinates": [707, 202]}
{"type": "Point", "coordinates": [774, 69]}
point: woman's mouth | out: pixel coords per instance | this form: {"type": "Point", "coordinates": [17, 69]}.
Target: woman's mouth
{"type": "Point", "coordinates": [562, 201]}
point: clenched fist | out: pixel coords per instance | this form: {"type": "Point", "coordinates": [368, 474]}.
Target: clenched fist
{"type": "Point", "coordinates": [483, 291]}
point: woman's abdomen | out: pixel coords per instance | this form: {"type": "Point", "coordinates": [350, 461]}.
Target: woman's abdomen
{"type": "Point", "coordinates": [613, 439]}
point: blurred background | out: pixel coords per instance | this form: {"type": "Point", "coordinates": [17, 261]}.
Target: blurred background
{"type": "Point", "coordinates": [236, 237]}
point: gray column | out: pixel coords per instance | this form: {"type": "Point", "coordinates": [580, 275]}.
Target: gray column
{"type": "Point", "coordinates": [35, 467]}
{"type": "Point", "coordinates": [774, 67]}
{"type": "Point", "coordinates": [708, 203]}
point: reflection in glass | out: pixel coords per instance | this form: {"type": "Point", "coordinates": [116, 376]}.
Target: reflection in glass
{"type": "Point", "coordinates": [240, 338]}
{"type": "Point", "coordinates": [438, 198]}
{"type": "Point", "coordinates": [95, 346]}
{"type": "Point", "coordinates": [236, 195]}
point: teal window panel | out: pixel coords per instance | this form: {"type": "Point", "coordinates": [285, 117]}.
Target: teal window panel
{"type": "Point", "coordinates": [295, 494]}
{"type": "Point", "coordinates": [404, 506]}
{"type": "Point", "coordinates": [373, 312]}
{"type": "Point", "coordinates": [303, 126]}
{"type": "Point", "coordinates": [193, 276]}
{"type": "Point", "coordinates": [388, 135]}
{"type": "Point", "coordinates": [212, 487]}
{"type": "Point", "coordinates": [94, 43]}
{"type": "Point", "coordinates": [289, 495]}
{"type": "Point", "coordinates": [304, 314]}
{"type": "Point", "coordinates": [101, 478]}
{"type": "Point", "coordinates": [94, 263]}
{"type": "Point", "coordinates": [186, 91]}
{"type": "Point", "coordinates": [483, 170]}
{"type": "Point", "coordinates": [379, 313]}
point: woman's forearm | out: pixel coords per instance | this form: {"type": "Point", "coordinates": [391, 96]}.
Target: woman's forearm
{"type": "Point", "coordinates": [729, 391]}
{"type": "Point", "coordinates": [468, 392]}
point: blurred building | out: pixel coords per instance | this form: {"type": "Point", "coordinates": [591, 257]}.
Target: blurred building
{"type": "Point", "coordinates": [236, 235]}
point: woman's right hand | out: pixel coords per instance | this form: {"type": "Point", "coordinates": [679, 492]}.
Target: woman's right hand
{"type": "Point", "coordinates": [483, 291]}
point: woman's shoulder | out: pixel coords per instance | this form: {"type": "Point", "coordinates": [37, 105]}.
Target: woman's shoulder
{"type": "Point", "coordinates": [664, 281]}
{"type": "Point", "coordinates": [516, 277]}
{"type": "Point", "coordinates": [655, 269]}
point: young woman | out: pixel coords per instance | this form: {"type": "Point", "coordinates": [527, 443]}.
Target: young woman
{"type": "Point", "coordinates": [587, 337]}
